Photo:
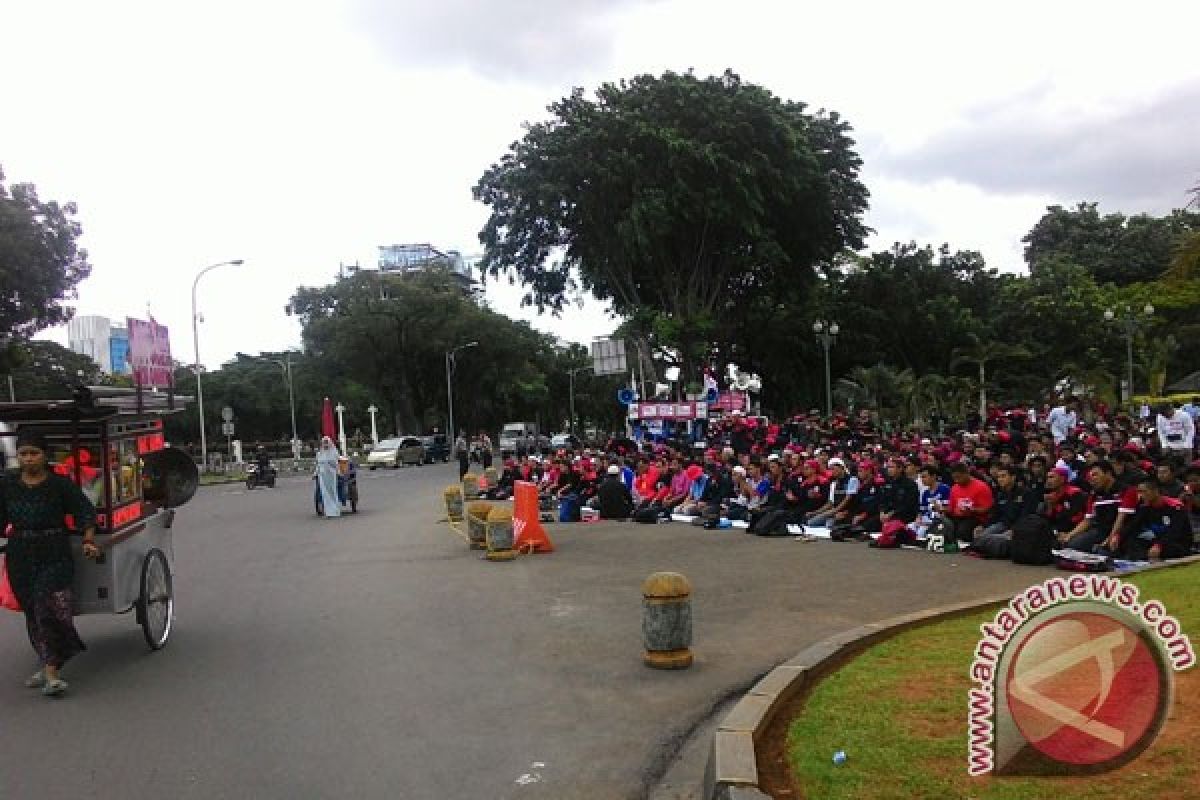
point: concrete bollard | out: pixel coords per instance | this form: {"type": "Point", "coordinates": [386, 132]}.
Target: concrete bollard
{"type": "Point", "coordinates": [500, 535]}
{"type": "Point", "coordinates": [477, 514]}
{"type": "Point", "coordinates": [454, 502]}
{"type": "Point", "coordinates": [667, 620]}
{"type": "Point", "coordinates": [470, 486]}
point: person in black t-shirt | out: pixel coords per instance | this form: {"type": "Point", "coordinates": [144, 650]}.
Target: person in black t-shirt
{"type": "Point", "coordinates": [1109, 505]}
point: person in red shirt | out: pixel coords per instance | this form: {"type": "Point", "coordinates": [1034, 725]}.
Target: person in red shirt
{"type": "Point", "coordinates": [970, 503]}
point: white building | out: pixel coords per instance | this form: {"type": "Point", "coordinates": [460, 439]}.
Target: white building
{"type": "Point", "coordinates": [89, 336]}
{"type": "Point", "coordinates": [101, 340]}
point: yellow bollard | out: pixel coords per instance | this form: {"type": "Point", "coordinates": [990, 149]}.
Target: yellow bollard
{"type": "Point", "coordinates": [470, 486]}
{"type": "Point", "coordinates": [500, 535]}
{"type": "Point", "coordinates": [477, 514]}
{"type": "Point", "coordinates": [454, 502]}
{"type": "Point", "coordinates": [667, 620]}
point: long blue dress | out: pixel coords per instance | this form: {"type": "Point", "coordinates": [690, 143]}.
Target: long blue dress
{"type": "Point", "coordinates": [327, 475]}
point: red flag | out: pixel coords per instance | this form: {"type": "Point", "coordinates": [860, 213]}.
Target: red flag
{"type": "Point", "coordinates": [327, 427]}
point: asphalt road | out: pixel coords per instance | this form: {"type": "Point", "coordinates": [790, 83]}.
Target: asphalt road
{"type": "Point", "coordinates": [374, 656]}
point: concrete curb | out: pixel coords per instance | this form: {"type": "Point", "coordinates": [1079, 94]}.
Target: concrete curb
{"type": "Point", "coordinates": [732, 770]}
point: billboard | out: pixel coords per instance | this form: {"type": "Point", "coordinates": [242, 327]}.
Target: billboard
{"type": "Point", "coordinates": [608, 357]}
{"type": "Point", "coordinates": [150, 353]}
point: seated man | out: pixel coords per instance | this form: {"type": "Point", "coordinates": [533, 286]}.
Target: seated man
{"type": "Point", "coordinates": [969, 506]}
{"type": "Point", "coordinates": [613, 499]}
{"type": "Point", "coordinates": [933, 496]}
{"type": "Point", "coordinates": [693, 503]}
{"type": "Point", "coordinates": [1007, 504]}
{"type": "Point", "coordinates": [842, 488]}
{"type": "Point", "coordinates": [1108, 507]}
{"type": "Point", "coordinates": [1159, 529]}
{"type": "Point", "coordinates": [1064, 504]}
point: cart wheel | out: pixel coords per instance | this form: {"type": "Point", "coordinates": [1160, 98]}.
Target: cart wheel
{"type": "Point", "coordinates": [353, 499]}
{"type": "Point", "coordinates": [156, 605]}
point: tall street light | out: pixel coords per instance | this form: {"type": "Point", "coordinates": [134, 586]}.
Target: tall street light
{"type": "Point", "coordinates": [827, 333]}
{"type": "Point", "coordinates": [196, 349]}
{"type": "Point", "coordinates": [572, 372]}
{"type": "Point", "coordinates": [1129, 322]}
{"type": "Point", "coordinates": [286, 366]}
{"type": "Point", "coordinates": [450, 437]}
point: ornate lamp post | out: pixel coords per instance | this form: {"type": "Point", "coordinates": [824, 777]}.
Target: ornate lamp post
{"type": "Point", "coordinates": [827, 333]}
{"type": "Point", "coordinates": [1130, 322]}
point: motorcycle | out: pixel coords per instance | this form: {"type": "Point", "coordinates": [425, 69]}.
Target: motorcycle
{"type": "Point", "coordinates": [256, 477]}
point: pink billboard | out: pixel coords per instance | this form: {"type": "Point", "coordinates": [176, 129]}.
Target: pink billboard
{"type": "Point", "coordinates": [150, 353]}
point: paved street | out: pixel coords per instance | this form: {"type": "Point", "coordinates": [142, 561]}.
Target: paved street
{"type": "Point", "coordinates": [375, 657]}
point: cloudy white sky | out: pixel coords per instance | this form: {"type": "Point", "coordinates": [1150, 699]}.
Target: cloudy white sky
{"type": "Point", "coordinates": [301, 135]}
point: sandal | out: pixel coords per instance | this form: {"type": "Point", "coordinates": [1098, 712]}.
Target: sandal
{"type": "Point", "coordinates": [54, 688]}
{"type": "Point", "coordinates": [37, 680]}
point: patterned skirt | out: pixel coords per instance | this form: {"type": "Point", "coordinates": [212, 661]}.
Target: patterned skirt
{"type": "Point", "coordinates": [41, 570]}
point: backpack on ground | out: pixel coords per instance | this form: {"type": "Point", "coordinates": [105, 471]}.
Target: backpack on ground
{"type": "Point", "coordinates": [993, 545]}
{"type": "Point", "coordinates": [1032, 541]}
{"type": "Point", "coordinates": [648, 515]}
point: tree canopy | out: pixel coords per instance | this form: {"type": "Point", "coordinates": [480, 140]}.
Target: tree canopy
{"type": "Point", "coordinates": [675, 198]}
{"type": "Point", "coordinates": [41, 263]}
{"type": "Point", "coordinates": [1112, 247]}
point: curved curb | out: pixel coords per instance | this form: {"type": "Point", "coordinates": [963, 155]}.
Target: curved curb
{"type": "Point", "coordinates": [732, 769]}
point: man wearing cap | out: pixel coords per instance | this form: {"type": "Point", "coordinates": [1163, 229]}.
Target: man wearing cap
{"type": "Point", "coordinates": [613, 499]}
{"type": "Point", "coordinates": [842, 488]}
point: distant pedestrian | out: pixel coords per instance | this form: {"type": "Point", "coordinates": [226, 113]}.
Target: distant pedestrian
{"type": "Point", "coordinates": [485, 449]}
{"type": "Point", "coordinates": [463, 454]}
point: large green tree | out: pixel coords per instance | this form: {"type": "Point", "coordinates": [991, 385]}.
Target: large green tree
{"type": "Point", "coordinates": [41, 263]}
{"type": "Point", "coordinates": [1114, 248]}
{"type": "Point", "coordinates": [676, 198]}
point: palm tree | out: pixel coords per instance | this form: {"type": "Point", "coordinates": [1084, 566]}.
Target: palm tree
{"type": "Point", "coordinates": [928, 394]}
{"type": "Point", "coordinates": [979, 354]}
{"type": "Point", "coordinates": [878, 386]}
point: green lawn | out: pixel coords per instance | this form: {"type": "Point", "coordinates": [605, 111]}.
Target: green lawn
{"type": "Point", "coordinates": [899, 711]}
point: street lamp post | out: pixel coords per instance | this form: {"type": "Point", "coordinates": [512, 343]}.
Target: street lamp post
{"type": "Point", "coordinates": [286, 366]}
{"type": "Point", "coordinates": [196, 350]}
{"type": "Point", "coordinates": [827, 333]}
{"type": "Point", "coordinates": [450, 437]}
{"type": "Point", "coordinates": [572, 372]}
{"type": "Point", "coordinates": [1129, 322]}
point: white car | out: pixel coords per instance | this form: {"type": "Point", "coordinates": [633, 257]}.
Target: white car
{"type": "Point", "coordinates": [564, 441]}
{"type": "Point", "coordinates": [397, 451]}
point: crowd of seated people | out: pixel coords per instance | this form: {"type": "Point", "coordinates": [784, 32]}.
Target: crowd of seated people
{"type": "Point", "coordinates": [1101, 482]}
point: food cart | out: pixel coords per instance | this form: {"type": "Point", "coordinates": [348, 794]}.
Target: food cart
{"type": "Point", "coordinates": [110, 442]}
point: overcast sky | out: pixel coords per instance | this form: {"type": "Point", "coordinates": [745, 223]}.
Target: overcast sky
{"type": "Point", "coordinates": [297, 138]}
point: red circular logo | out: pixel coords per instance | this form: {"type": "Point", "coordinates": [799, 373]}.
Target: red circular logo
{"type": "Point", "coordinates": [1087, 688]}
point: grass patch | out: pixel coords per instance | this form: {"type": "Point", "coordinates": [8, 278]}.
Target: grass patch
{"type": "Point", "coordinates": [899, 710]}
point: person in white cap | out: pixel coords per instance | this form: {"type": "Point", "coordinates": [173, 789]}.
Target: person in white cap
{"type": "Point", "coordinates": [842, 488]}
{"type": "Point", "coordinates": [613, 499]}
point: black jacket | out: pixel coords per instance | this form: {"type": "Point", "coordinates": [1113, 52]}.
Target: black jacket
{"type": "Point", "coordinates": [1008, 507]}
{"type": "Point", "coordinates": [614, 498]}
{"type": "Point", "coordinates": [901, 498]}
